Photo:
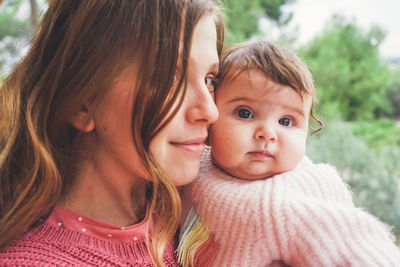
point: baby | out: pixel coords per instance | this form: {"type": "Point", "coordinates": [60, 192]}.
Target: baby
{"type": "Point", "coordinates": [263, 200]}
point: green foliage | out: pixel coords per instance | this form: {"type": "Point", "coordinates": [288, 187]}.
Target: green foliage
{"type": "Point", "coordinates": [351, 79]}
{"type": "Point", "coordinates": [16, 30]}
{"type": "Point", "coordinates": [393, 94]}
{"type": "Point", "coordinates": [378, 133]}
{"type": "Point", "coordinates": [372, 175]}
{"type": "Point", "coordinates": [10, 25]}
{"type": "Point", "coordinates": [242, 16]}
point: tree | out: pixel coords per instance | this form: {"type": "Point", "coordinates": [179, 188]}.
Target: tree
{"type": "Point", "coordinates": [35, 17]}
{"type": "Point", "coordinates": [351, 79]}
{"type": "Point", "coordinates": [393, 94]}
{"type": "Point", "coordinates": [10, 24]}
{"type": "Point", "coordinates": [16, 29]}
{"type": "Point", "coordinates": [242, 16]}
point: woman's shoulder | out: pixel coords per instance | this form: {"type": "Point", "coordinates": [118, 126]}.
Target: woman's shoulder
{"type": "Point", "coordinates": [36, 247]}
{"type": "Point", "coordinates": [47, 245]}
{"type": "Point", "coordinates": [50, 246]}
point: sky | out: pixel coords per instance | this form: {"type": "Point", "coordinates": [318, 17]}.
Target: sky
{"type": "Point", "coordinates": [311, 16]}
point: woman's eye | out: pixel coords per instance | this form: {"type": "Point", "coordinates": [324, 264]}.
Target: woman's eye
{"type": "Point", "coordinates": [244, 113]}
{"type": "Point", "coordinates": [286, 122]}
{"type": "Point", "coordinates": [211, 83]}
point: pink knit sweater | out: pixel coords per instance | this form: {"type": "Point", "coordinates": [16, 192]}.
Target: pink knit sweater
{"type": "Point", "coordinates": [304, 217]}
{"type": "Point", "coordinates": [69, 239]}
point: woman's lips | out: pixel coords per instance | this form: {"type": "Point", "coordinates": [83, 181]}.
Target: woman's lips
{"type": "Point", "coordinates": [196, 146]}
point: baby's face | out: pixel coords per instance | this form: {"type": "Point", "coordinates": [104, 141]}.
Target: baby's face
{"type": "Point", "coordinates": [262, 127]}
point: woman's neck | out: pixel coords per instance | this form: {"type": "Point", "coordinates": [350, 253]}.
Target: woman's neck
{"type": "Point", "coordinates": [111, 200]}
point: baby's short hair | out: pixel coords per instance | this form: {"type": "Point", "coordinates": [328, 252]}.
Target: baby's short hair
{"type": "Point", "coordinates": [277, 63]}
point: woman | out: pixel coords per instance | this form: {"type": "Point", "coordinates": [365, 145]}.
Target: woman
{"type": "Point", "coordinates": [104, 117]}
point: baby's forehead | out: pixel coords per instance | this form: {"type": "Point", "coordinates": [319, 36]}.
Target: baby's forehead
{"type": "Point", "coordinates": [258, 81]}
{"type": "Point", "coordinates": [256, 88]}
{"type": "Point", "coordinates": [297, 79]}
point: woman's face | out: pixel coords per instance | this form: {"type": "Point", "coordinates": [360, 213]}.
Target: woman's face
{"type": "Point", "coordinates": [179, 145]}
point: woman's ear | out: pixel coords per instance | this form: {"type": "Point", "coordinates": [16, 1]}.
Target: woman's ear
{"type": "Point", "coordinates": [82, 120]}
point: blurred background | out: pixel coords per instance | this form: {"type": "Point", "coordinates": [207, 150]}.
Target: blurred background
{"type": "Point", "coordinates": [353, 50]}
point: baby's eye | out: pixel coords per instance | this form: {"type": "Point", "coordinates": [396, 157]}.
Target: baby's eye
{"type": "Point", "coordinates": [286, 122]}
{"type": "Point", "coordinates": [245, 113]}
{"type": "Point", "coordinates": [211, 83]}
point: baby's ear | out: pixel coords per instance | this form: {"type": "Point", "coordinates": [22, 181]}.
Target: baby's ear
{"type": "Point", "coordinates": [82, 120]}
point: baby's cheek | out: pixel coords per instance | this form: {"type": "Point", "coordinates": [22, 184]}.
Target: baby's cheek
{"type": "Point", "coordinates": [295, 151]}
{"type": "Point", "coordinates": [299, 153]}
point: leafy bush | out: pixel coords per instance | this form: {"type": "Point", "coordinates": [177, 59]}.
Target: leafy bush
{"type": "Point", "coordinates": [373, 175]}
{"type": "Point", "coordinates": [393, 94]}
{"type": "Point", "coordinates": [378, 133]}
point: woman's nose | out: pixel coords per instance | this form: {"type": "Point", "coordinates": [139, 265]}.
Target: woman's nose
{"type": "Point", "coordinates": [266, 133]}
{"type": "Point", "coordinates": [202, 107]}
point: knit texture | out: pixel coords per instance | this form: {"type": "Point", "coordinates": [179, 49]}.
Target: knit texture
{"type": "Point", "coordinates": [304, 217]}
{"type": "Point", "coordinates": [58, 242]}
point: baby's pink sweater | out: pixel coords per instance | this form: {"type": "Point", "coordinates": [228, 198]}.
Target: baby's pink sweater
{"type": "Point", "coordinates": [304, 217]}
{"type": "Point", "coordinates": [69, 239]}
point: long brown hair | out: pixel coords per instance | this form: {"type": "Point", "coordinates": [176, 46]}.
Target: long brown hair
{"type": "Point", "coordinates": [79, 50]}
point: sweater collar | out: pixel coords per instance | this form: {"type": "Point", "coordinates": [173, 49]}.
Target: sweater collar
{"type": "Point", "coordinates": [67, 219]}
